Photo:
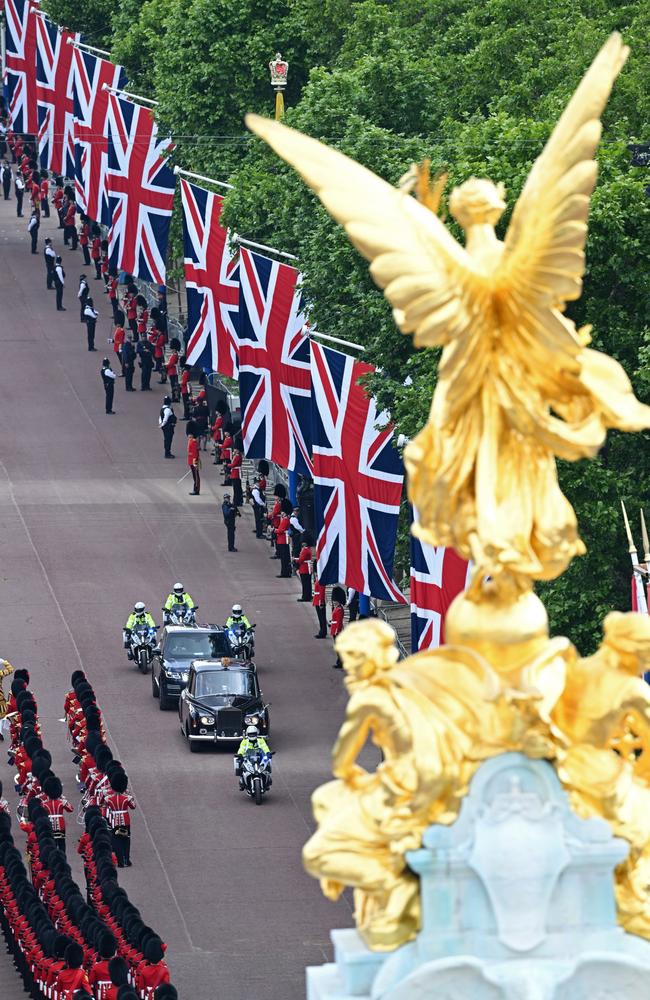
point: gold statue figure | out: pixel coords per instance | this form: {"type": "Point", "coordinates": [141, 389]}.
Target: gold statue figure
{"type": "Point", "coordinates": [517, 387]}
{"type": "Point", "coordinates": [5, 669]}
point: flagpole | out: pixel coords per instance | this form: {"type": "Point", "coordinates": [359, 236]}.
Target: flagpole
{"type": "Point", "coordinates": [336, 340]}
{"type": "Point", "coordinates": [88, 48]}
{"type": "Point", "coordinates": [646, 544]}
{"type": "Point", "coordinates": [641, 602]}
{"type": "Point", "coordinates": [130, 97]}
{"type": "Point", "coordinates": [200, 177]}
{"type": "Point", "coordinates": [263, 246]}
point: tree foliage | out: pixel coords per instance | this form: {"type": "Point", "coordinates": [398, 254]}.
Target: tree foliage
{"type": "Point", "coordinates": [476, 85]}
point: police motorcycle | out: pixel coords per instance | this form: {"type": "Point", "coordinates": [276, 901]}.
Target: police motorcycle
{"type": "Point", "coordinates": [180, 614]}
{"type": "Point", "coordinates": [139, 637]}
{"type": "Point", "coordinates": [141, 646]}
{"type": "Point", "coordinates": [254, 772]}
{"type": "Point", "coordinates": [242, 641]}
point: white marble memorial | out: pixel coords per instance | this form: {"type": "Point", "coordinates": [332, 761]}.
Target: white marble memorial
{"type": "Point", "coordinates": [517, 904]}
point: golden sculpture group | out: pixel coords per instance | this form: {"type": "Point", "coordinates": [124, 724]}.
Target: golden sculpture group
{"type": "Point", "coordinates": [517, 386]}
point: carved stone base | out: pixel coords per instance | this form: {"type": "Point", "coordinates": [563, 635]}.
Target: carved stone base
{"type": "Point", "coordinates": [517, 902]}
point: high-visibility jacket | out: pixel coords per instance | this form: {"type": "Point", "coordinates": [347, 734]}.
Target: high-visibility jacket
{"type": "Point", "coordinates": [257, 743]}
{"type": "Point", "coordinates": [141, 619]}
{"type": "Point", "coordinates": [175, 599]}
{"type": "Point", "coordinates": [242, 620]}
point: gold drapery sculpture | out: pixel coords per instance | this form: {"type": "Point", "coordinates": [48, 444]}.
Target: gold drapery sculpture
{"type": "Point", "coordinates": [517, 387]}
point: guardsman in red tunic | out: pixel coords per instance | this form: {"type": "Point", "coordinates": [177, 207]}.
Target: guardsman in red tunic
{"type": "Point", "coordinates": [152, 972]}
{"type": "Point", "coordinates": [73, 976]}
{"type": "Point", "coordinates": [159, 339]}
{"type": "Point", "coordinates": [235, 477]}
{"type": "Point", "coordinates": [194, 462]}
{"type": "Point", "coordinates": [43, 195]}
{"type": "Point", "coordinates": [321, 611]}
{"type": "Point", "coordinates": [117, 804]}
{"type": "Point", "coordinates": [303, 565]}
{"type": "Point", "coordinates": [274, 520]}
{"type": "Point", "coordinates": [69, 227]}
{"type": "Point", "coordinates": [56, 805]}
{"type": "Point", "coordinates": [282, 545]}
{"type": "Point", "coordinates": [96, 252]}
{"type": "Point", "coordinates": [336, 626]}
{"type": "Point", "coordinates": [118, 338]}
{"type": "Point", "coordinates": [113, 288]}
{"type": "Point", "coordinates": [84, 239]}
{"type": "Point", "coordinates": [186, 395]}
{"type": "Point", "coordinates": [171, 367]}
{"type": "Point", "coordinates": [226, 448]}
{"type": "Point", "coordinates": [217, 437]}
{"type": "Point", "coordinates": [57, 201]}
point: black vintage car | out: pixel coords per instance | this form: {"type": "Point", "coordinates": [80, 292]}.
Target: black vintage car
{"type": "Point", "coordinates": [177, 647]}
{"type": "Point", "coordinates": [219, 698]}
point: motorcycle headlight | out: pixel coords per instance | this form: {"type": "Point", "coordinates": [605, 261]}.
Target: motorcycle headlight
{"type": "Point", "coordinates": [207, 720]}
{"type": "Point", "coordinates": [184, 676]}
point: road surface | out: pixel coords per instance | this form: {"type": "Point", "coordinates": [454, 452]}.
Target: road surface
{"type": "Point", "coordinates": [91, 520]}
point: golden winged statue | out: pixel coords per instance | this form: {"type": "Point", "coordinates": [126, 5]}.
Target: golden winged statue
{"type": "Point", "coordinates": [517, 385]}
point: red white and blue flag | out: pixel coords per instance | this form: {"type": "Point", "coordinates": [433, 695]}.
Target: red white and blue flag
{"type": "Point", "coordinates": [274, 370]}
{"type": "Point", "coordinates": [140, 191]}
{"type": "Point", "coordinates": [20, 65]}
{"type": "Point", "coordinates": [211, 282]}
{"type": "Point", "coordinates": [90, 73]}
{"type": "Point", "coordinates": [438, 575]}
{"type": "Point", "coordinates": [358, 479]}
{"type": "Point", "coordinates": [54, 91]}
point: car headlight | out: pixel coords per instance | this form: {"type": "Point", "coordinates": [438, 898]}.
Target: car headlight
{"type": "Point", "coordinates": [207, 720]}
{"type": "Point", "coordinates": [184, 675]}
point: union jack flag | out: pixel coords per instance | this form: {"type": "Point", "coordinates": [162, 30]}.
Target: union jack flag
{"type": "Point", "coordinates": [140, 188]}
{"type": "Point", "coordinates": [358, 477]}
{"type": "Point", "coordinates": [438, 575]}
{"type": "Point", "coordinates": [20, 65]}
{"type": "Point", "coordinates": [274, 376]}
{"type": "Point", "coordinates": [90, 140]}
{"type": "Point", "coordinates": [211, 282]}
{"type": "Point", "coordinates": [54, 87]}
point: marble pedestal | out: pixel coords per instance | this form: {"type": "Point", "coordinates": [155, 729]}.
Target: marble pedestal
{"type": "Point", "coordinates": [517, 904]}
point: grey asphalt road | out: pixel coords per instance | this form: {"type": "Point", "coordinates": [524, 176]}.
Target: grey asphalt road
{"type": "Point", "coordinates": [92, 519]}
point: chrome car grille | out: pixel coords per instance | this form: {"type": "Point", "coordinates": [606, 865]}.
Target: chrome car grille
{"type": "Point", "coordinates": [229, 722]}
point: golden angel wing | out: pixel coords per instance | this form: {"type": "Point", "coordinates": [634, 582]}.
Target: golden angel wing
{"type": "Point", "coordinates": [413, 257]}
{"type": "Point", "coordinates": [543, 260]}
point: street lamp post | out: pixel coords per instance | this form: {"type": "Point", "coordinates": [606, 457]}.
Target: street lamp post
{"type": "Point", "coordinates": [279, 68]}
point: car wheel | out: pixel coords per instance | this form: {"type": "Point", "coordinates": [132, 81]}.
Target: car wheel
{"type": "Point", "coordinates": [164, 702]}
{"type": "Point", "coordinates": [155, 692]}
{"type": "Point", "coordinates": [194, 747]}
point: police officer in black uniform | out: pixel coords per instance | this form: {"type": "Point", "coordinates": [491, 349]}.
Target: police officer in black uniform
{"type": "Point", "coordinates": [167, 424]}
{"type": "Point", "coordinates": [108, 379]}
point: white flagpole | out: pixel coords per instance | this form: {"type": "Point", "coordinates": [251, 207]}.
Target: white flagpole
{"type": "Point", "coordinates": [200, 177]}
{"type": "Point", "coordinates": [262, 246]}
{"type": "Point", "coordinates": [335, 340]}
{"type": "Point", "coordinates": [641, 601]}
{"type": "Point", "coordinates": [129, 97]}
{"type": "Point", "coordinates": [88, 48]}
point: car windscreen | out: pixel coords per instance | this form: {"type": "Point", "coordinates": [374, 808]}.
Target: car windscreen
{"type": "Point", "coordinates": [224, 682]}
{"type": "Point", "coordinates": [196, 645]}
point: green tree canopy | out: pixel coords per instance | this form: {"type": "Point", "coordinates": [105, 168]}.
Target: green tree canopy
{"type": "Point", "coordinates": [476, 86]}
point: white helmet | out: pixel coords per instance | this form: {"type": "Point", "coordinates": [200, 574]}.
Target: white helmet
{"type": "Point", "coordinates": [179, 589]}
{"type": "Point", "coordinates": [252, 732]}
{"type": "Point", "coordinates": [139, 608]}
{"type": "Point", "coordinates": [237, 610]}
